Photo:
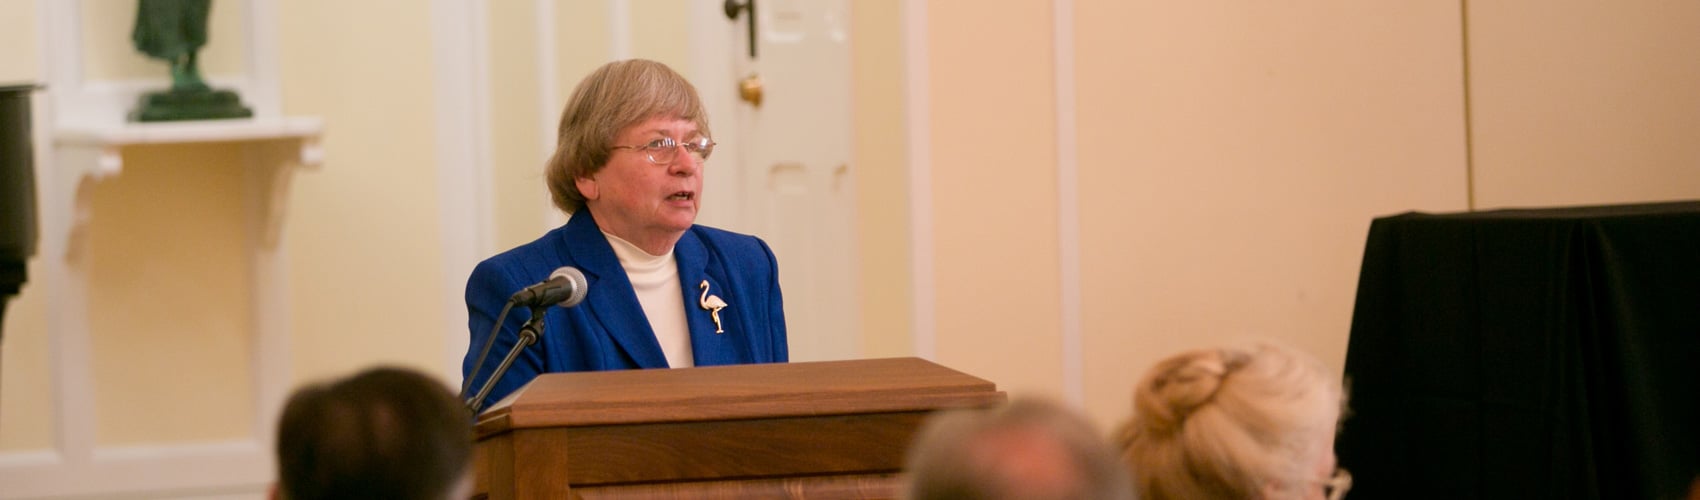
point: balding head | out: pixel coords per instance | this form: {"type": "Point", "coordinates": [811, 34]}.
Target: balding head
{"type": "Point", "coordinates": [1030, 449]}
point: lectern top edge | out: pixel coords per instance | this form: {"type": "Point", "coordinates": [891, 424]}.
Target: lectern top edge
{"type": "Point", "coordinates": [808, 388]}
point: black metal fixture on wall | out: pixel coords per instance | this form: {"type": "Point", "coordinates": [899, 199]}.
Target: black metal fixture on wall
{"type": "Point", "coordinates": [18, 232]}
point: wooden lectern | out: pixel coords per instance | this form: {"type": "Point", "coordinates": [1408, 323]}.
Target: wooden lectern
{"type": "Point", "coordinates": [832, 429]}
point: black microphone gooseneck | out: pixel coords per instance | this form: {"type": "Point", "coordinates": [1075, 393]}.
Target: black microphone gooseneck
{"type": "Point", "coordinates": [527, 335]}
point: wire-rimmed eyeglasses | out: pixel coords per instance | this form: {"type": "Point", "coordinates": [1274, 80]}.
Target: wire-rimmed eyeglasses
{"type": "Point", "coordinates": [1334, 488]}
{"type": "Point", "coordinates": [664, 150]}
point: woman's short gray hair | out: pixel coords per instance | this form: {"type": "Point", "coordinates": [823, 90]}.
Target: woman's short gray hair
{"type": "Point", "coordinates": [617, 95]}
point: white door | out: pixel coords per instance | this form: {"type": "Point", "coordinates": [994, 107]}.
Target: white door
{"type": "Point", "coordinates": [794, 162]}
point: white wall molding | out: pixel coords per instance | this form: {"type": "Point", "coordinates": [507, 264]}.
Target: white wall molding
{"type": "Point", "coordinates": [549, 99]}
{"type": "Point", "coordinates": [238, 466]}
{"type": "Point", "coordinates": [263, 91]}
{"type": "Point", "coordinates": [271, 170]}
{"type": "Point", "coordinates": [918, 106]}
{"type": "Point", "coordinates": [1068, 205]}
{"type": "Point", "coordinates": [619, 30]}
{"type": "Point", "coordinates": [548, 75]}
{"type": "Point", "coordinates": [460, 46]}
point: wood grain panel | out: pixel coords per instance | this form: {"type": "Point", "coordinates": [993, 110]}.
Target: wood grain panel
{"type": "Point", "coordinates": [540, 463]}
{"type": "Point", "coordinates": [819, 487]}
{"type": "Point", "coordinates": [741, 449]}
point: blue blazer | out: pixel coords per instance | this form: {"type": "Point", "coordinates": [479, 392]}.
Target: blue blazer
{"type": "Point", "coordinates": [609, 331]}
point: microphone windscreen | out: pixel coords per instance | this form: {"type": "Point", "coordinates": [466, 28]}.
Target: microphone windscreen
{"type": "Point", "coordinates": [579, 287]}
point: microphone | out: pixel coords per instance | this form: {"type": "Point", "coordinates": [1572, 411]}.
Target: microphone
{"type": "Point", "coordinates": [566, 287]}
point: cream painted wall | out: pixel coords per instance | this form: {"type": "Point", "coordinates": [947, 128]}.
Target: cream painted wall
{"type": "Point", "coordinates": [1231, 160]}
{"type": "Point", "coordinates": [661, 31]}
{"type": "Point", "coordinates": [362, 231]}
{"type": "Point", "coordinates": [109, 53]}
{"type": "Point", "coordinates": [170, 321]}
{"type": "Point", "coordinates": [879, 152]}
{"type": "Point", "coordinates": [1577, 102]}
{"type": "Point", "coordinates": [21, 61]}
{"type": "Point", "coordinates": [994, 193]}
{"type": "Point", "coordinates": [516, 151]}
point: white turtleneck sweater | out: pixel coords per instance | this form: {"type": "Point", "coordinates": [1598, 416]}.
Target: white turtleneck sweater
{"type": "Point", "coordinates": [655, 278]}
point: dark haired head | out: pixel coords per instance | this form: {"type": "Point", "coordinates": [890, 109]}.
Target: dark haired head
{"type": "Point", "coordinates": [383, 433]}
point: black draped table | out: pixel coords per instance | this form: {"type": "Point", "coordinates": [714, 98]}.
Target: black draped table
{"type": "Point", "coordinates": [1545, 353]}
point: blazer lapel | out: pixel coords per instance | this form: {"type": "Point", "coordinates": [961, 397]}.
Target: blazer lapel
{"type": "Point", "coordinates": [613, 304]}
{"type": "Point", "coordinates": [711, 344]}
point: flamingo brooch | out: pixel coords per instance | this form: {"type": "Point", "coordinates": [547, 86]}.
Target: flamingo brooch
{"type": "Point", "coordinates": [713, 305]}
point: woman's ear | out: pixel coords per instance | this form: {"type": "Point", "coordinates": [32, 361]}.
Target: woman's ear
{"type": "Point", "coordinates": [587, 187]}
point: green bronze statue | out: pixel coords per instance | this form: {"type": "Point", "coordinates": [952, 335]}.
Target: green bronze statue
{"type": "Point", "coordinates": [174, 31]}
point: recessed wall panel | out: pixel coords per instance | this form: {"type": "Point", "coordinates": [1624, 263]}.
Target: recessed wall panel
{"type": "Point", "coordinates": [170, 311]}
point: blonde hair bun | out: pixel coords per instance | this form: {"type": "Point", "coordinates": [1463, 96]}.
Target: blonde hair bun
{"type": "Point", "coordinates": [1181, 384]}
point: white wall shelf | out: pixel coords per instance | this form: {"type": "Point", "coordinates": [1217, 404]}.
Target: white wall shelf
{"type": "Point", "coordinates": [109, 140]}
{"type": "Point", "coordinates": [88, 154]}
{"type": "Point", "coordinates": [247, 129]}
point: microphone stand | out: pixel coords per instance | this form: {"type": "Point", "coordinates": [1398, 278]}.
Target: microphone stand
{"type": "Point", "coordinates": [528, 334]}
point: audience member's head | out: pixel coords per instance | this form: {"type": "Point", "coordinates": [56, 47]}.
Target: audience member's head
{"type": "Point", "coordinates": [1233, 423]}
{"type": "Point", "coordinates": [1030, 449]}
{"type": "Point", "coordinates": [383, 433]}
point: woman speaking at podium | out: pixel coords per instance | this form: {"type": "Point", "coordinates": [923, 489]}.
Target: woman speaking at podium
{"type": "Point", "coordinates": [664, 292]}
